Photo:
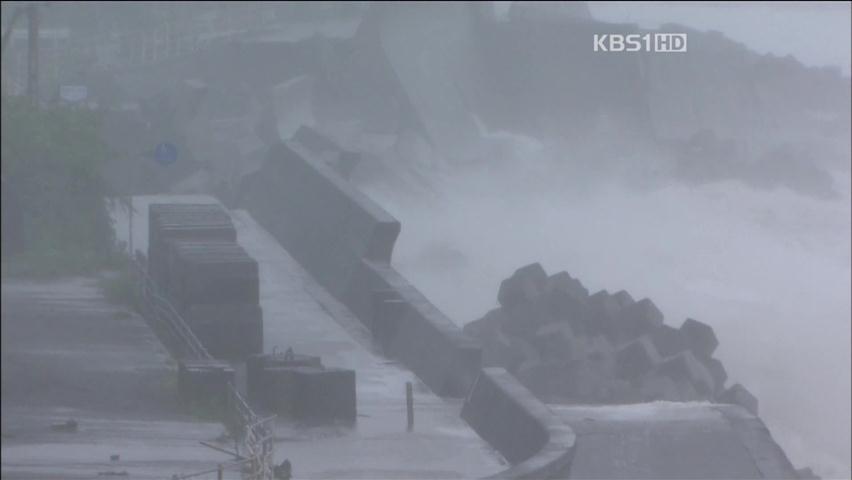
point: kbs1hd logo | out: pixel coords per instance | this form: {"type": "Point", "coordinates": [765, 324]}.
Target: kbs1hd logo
{"type": "Point", "coordinates": [649, 42]}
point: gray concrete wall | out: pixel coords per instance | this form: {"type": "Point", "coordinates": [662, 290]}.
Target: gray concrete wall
{"type": "Point", "coordinates": [536, 442]}
{"type": "Point", "coordinates": [411, 329]}
{"type": "Point", "coordinates": [345, 241]}
{"type": "Point", "coordinates": [322, 221]}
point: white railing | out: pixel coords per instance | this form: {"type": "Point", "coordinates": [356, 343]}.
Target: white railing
{"type": "Point", "coordinates": [254, 435]}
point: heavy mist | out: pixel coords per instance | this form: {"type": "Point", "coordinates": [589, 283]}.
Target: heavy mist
{"type": "Point", "coordinates": [714, 182]}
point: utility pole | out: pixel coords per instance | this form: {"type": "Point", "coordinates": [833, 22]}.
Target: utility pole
{"type": "Point", "coordinates": [8, 34]}
{"type": "Point", "coordinates": [32, 52]}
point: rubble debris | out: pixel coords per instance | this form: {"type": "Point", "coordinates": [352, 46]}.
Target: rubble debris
{"type": "Point", "coordinates": [569, 346]}
{"type": "Point", "coordinates": [684, 368]}
{"type": "Point", "coordinates": [556, 342]}
{"type": "Point", "coordinates": [637, 319]}
{"type": "Point", "coordinates": [564, 282]}
{"type": "Point", "coordinates": [526, 283]}
{"type": "Point", "coordinates": [668, 340]}
{"type": "Point", "coordinates": [717, 371]}
{"type": "Point", "coordinates": [623, 298]}
{"type": "Point", "coordinates": [700, 337]}
{"type": "Point", "coordinates": [636, 358]}
{"type": "Point", "coordinates": [738, 395]}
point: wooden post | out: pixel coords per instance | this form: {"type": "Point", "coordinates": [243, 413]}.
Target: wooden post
{"type": "Point", "coordinates": [409, 405]}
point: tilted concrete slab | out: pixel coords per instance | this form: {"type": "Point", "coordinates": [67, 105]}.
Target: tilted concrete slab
{"type": "Point", "coordinates": [663, 440]}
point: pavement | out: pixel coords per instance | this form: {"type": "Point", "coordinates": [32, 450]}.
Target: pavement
{"type": "Point", "coordinates": [67, 353]}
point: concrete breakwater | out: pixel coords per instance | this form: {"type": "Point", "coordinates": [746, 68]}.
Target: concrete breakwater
{"type": "Point", "coordinates": [571, 347]}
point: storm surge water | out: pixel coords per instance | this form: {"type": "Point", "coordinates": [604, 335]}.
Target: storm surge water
{"type": "Point", "coordinates": [768, 269]}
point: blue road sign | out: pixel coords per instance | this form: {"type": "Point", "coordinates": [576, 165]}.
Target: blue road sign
{"type": "Point", "coordinates": [165, 154]}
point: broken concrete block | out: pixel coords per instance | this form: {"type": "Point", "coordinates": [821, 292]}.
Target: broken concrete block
{"type": "Point", "coordinates": [685, 368]}
{"type": "Point", "coordinates": [524, 318]}
{"type": "Point", "coordinates": [700, 337]}
{"type": "Point", "coordinates": [556, 343]}
{"type": "Point", "coordinates": [636, 358]}
{"type": "Point", "coordinates": [717, 371]}
{"type": "Point", "coordinates": [738, 395]}
{"type": "Point", "coordinates": [623, 298]}
{"type": "Point", "coordinates": [688, 392]}
{"type": "Point", "coordinates": [567, 307]}
{"type": "Point", "coordinates": [668, 340]}
{"type": "Point", "coordinates": [600, 352]}
{"type": "Point", "coordinates": [604, 311]}
{"type": "Point", "coordinates": [637, 319]}
{"type": "Point", "coordinates": [500, 352]}
{"type": "Point", "coordinates": [583, 383]}
{"type": "Point", "coordinates": [527, 282]}
{"type": "Point", "coordinates": [543, 379]}
{"type": "Point", "coordinates": [563, 282]}
{"type": "Point", "coordinates": [204, 382]}
{"type": "Point", "coordinates": [525, 351]}
{"type": "Point", "coordinates": [484, 328]}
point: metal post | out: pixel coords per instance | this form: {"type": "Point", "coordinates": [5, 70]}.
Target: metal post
{"type": "Point", "coordinates": [409, 405]}
{"type": "Point", "coordinates": [220, 472]}
{"type": "Point", "coordinates": [130, 226]}
{"type": "Point", "coordinates": [32, 52]}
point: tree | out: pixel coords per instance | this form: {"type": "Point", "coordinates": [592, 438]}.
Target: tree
{"type": "Point", "coordinates": [53, 194]}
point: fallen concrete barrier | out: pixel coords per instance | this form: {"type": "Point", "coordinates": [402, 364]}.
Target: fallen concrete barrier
{"type": "Point", "coordinates": [526, 432]}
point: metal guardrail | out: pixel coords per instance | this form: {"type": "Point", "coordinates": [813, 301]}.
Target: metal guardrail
{"type": "Point", "coordinates": [254, 434]}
